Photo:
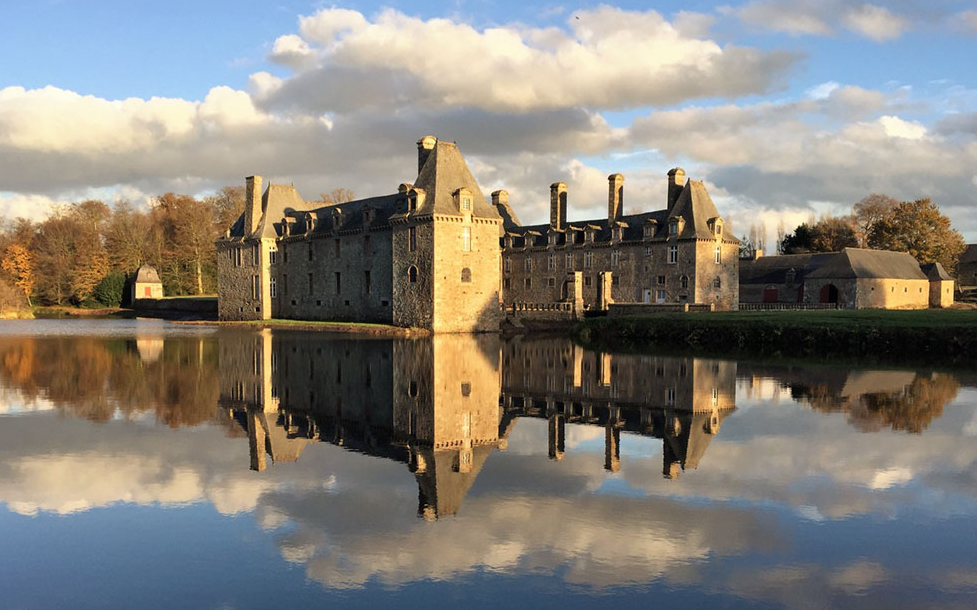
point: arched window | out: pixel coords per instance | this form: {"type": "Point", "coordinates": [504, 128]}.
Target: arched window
{"type": "Point", "coordinates": [412, 274]}
{"type": "Point", "coordinates": [717, 283]}
{"type": "Point", "coordinates": [466, 275]}
{"type": "Point", "coordinates": [685, 281]}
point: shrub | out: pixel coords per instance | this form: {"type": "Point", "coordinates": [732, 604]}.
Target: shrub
{"type": "Point", "coordinates": [109, 290]}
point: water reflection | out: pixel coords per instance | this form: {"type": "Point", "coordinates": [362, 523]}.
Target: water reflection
{"type": "Point", "coordinates": [354, 440]}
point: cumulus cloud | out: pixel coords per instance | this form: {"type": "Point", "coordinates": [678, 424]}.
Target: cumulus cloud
{"type": "Point", "coordinates": [823, 18]}
{"type": "Point", "coordinates": [605, 57]}
{"type": "Point", "coordinates": [967, 21]}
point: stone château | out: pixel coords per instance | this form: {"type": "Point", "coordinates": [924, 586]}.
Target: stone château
{"type": "Point", "coordinates": [437, 255]}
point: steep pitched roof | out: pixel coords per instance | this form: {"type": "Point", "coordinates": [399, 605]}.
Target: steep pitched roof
{"type": "Point", "coordinates": [277, 200]}
{"type": "Point", "coordinates": [876, 264]}
{"type": "Point", "coordinates": [147, 275]}
{"type": "Point", "coordinates": [443, 173]}
{"type": "Point", "coordinates": [774, 269]}
{"type": "Point", "coordinates": [696, 207]}
{"type": "Point", "coordinates": [935, 272]}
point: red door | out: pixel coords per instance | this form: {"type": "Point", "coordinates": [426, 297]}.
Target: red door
{"type": "Point", "coordinates": [769, 295]}
{"type": "Point", "coordinates": [148, 292]}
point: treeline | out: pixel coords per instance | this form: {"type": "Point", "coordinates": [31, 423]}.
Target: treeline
{"type": "Point", "coordinates": [878, 222]}
{"type": "Point", "coordinates": [83, 252]}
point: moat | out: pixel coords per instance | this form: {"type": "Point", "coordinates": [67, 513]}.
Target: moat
{"type": "Point", "coordinates": [159, 465]}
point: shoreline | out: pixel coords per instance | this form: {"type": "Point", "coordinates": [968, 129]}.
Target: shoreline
{"type": "Point", "coordinates": [346, 328]}
{"type": "Point", "coordinates": [943, 337]}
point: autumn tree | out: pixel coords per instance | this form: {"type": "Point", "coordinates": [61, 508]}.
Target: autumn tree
{"type": "Point", "coordinates": [869, 211]}
{"type": "Point", "coordinates": [227, 204]}
{"type": "Point", "coordinates": [188, 230]}
{"type": "Point", "coordinates": [918, 227]}
{"type": "Point", "coordinates": [18, 262]}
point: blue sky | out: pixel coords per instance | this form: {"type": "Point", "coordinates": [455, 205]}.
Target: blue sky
{"type": "Point", "coordinates": [785, 107]}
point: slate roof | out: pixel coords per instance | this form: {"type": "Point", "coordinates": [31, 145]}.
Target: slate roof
{"type": "Point", "coordinates": [774, 269]}
{"type": "Point", "coordinates": [147, 275]}
{"type": "Point", "coordinates": [693, 205]}
{"type": "Point", "coordinates": [969, 255]}
{"type": "Point", "coordinates": [935, 272]}
{"type": "Point", "coordinates": [443, 173]}
{"type": "Point", "coordinates": [853, 263]}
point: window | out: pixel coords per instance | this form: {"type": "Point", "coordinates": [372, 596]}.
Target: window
{"type": "Point", "coordinates": [673, 228]}
{"type": "Point", "coordinates": [366, 245]}
{"type": "Point", "coordinates": [647, 230]}
{"type": "Point", "coordinates": [336, 246]}
{"type": "Point", "coordinates": [412, 239]}
{"type": "Point", "coordinates": [311, 284]}
{"type": "Point", "coordinates": [255, 255]}
{"type": "Point", "coordinates": [529, 282]}
{"type": "Point", "coordinates": [615, 280]}
{"type": "Point", "coordinates": [311, 252]}
{"type": "Point", "coordinates": [647, 251]}
{"type": "Point", "coordinates": [507, 283]}
{"type": "Point", "coordinates": [339, 282]}
{"type": "Point", "coordinates": [466, 203]}
{"type": "Point", "coordinates": [238, 257]}
{"type": "Point", "coordinates": [660, 296]}
{"type": "Point", "coordinates": [551, 264]}
{"type": "Point", "coordinates": [685, 281]}
{"type": "Point", "coordinates": [255, 287]}
{"type": "Point", "coordinates": [412, 274]}
{"type": "Point", "coordinates": [466, 275]}
{"type": "Point", "coordinates": [466, 239]}
{"type": "Point", "coordinates": [285, 284]}
{"type": "Point", "coordinates": [661, 280]}
{"type": "Point", "coordinates": [588, 260]}
{"type": "Point", "coordinates": [466, 389]}
{"type": "Point", "coordinates": [551, 282]}
{"type": "Point", "coordinates": [366, 282]}
{"type": "Point", "coordinates": [412, 202]}
{"type": "Point", "coordinates": [586, 281]}
{"type": "Point", "coordinates": [568, 262]}
{"type": "Point", "coordinates": [672, 254]}
{"type": "Point", "coordinates": [670, 396]}
{"type": "Point", "coordinates": [273, 257]}
{"type": "Point", "coordinates": [508, 264]}
{"type": "Point", "coordinates": [273, 285]}
{"type": "Point", "coordinates": [285, 253]}
{"type": "Point", "coordinates": [715, 396]}
{"type": "Point", "coordinates": [717, 283]}
{"type": "Point", "coordinates": [529, 264]}
{"type": "Point", "coordinates": [719, 254]}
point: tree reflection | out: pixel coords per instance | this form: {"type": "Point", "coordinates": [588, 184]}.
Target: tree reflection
{"type": "Point", "coordinates": [100, 379]}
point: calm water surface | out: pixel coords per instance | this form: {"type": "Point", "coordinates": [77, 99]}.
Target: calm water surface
{"type": "Point", "coordinates": [154, 465]}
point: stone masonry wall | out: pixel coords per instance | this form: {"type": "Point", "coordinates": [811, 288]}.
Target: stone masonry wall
{"type": "Point", "coordinates": [466, 287]}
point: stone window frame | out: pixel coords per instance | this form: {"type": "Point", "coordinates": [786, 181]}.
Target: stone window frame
{"type": "Point", "coordinates": [586, 280]}
{"type": "Point", "coordinates": [255, 287]}
{"type": "Point", "coordinates": [568, 260]}
{"type": "Point", "coordinates": [412, 239]}
{"type": "Point", "coordinates": [661, 280]}
{"type": "Point", "coordinates": [719, 253]}
{"type": "Point", "coordinates": [272, 256]}
{"type": "Point", "coordinates": [684, 281]}
{"type": "Point", "coordinates": [673, 255]}
{"type": "Point", "coordinates": [466, 203]}
{"type": "Point", "coordinates": [647, 251]}
{"type": "Point", "coordinates": [255, 254]}
{"type": "Point", "coordinates": [239, 256]}
{"type": "Point", "coordinates": [528, 283]}
{"type": "Point", "coordinates": [717, 283]}
{"type": "Point", "coordinates": [273, 287]}
{"type": "Point", "coordinates": [466, 239]}
{"type": "Point", "coordinates": [551, 263]}
{"type": "Point", "coordinates": [507, 264]}
{"type": "Point", "coordinates": [528, 263]}
{"type": "Point", "coordinates": [588, 260]}
{"type": "Point", "coordinates": [411, 274]}
{"type": "Point", "coordinates": [551, 282]}
{"type": "Point", "coordinates": [615, 257]}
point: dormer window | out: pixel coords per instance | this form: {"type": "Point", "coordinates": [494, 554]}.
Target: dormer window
{"type": "Point", "coordinates": [589, 235]}
{"type": "Point", "coordinates": [463, 199]}
{"type": "Point", "coordinates": [367, 216]}
{"type": "Point", "coordinates": [618, 233]}
{"type": "Point", "coordinates": [673, 227]}
{"type": "Point", "coordinates": [466, 203]}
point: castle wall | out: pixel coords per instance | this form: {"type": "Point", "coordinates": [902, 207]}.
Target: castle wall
{"type": "Point", "coordinates": [726, 296]}
{"type": "Point", "coordinates": [413, 302]}
{"type": "Point", "coordinates": [307, 284]}
{"type": "Point", "coordinates": [236, 299]}
{"type": "Point", "coordinates": [466, 286]}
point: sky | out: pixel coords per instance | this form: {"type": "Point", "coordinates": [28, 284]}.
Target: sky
{"type": "Point", "coordinates": [785, 108]}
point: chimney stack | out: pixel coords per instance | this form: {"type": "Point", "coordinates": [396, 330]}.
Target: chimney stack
{"type": "Point", "coordinates": [558, 205]}
{"type": "Point", "coordinates": [615, 197]}
{"type": "Point", "coordinates": [252, 204]}
{"type": "Point", "coordinates": [500, 197]}
{"type": "Point", "coordinates": [676, 182]}
{"type": "Point", "coordinates": [424, 147]}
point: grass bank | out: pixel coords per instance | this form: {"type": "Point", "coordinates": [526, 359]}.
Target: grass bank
{"type": "Point", "coordinates": [925, 336]}
{"type": "Point", "coordinates": [358, 328]}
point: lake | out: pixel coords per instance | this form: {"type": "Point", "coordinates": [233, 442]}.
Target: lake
{"type": "Point", "coordinates": [158, 465]}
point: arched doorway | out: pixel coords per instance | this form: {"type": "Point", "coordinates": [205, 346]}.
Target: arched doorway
{"type": "Point", "coordinates": [564, 291]}
{"type": "Point", "coordinates": [829, 293]}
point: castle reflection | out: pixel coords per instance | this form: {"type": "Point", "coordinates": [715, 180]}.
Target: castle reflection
{"type": "Point", "coordinates": [442, 405]}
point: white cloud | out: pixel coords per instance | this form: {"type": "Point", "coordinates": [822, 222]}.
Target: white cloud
{"type": "Point", "coordinates": [898, 128]}
{"type": "Point", "coordinates": [822, 91]}
{"type": "Point", "coordinates": [875, 22]}
{"type": "Point", "coordinates": [823, 17]}
{"type": "Point", "coordinates": [606, 57]}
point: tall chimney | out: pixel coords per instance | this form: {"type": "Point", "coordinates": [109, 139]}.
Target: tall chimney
{"type": "Point", "coordinates": [252, 204]}
{"type": "Point", "coordinates": [558, 205]}
{"type": "Point", "coordinates": [424, 147]}
{"type": "Point", "coordinates": [615, 197]}
{"type": "Point", "coordinates": [500, 197]}
{"type": "Point", "coordinates": [676, 182]}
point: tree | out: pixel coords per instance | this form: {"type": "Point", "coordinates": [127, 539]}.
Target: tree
{"type": "Point", "coordinates": [228, 205]}
{"type": "Point", "coordinates": [337, 195]}
{"type": "Point", "coordinates": [829, 234]}
{"type": "Point", "coordinates": [126, 236]}
{"type": "Point", "coordinates": [869, 211]}
{"type": "Point", "coordinates": [18, 261]}
{"type": "Point", "coordinates": [918, 227]}
{"type": "Point", "coordinates": [189, 230]}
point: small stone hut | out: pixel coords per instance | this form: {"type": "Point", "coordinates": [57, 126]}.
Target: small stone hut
{"type": "Point", "coordinates": [147, 284]}
{"type": "Point", "coordinates": [941, 284]}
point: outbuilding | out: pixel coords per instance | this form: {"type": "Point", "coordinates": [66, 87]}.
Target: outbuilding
{"type": "Point", "coordinates": [147, 284]}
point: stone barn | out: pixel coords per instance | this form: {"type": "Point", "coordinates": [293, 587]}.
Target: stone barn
{"type": "Point", "coordinates": [941, 284]}
{"type": "Point", "coordinates": [147, 284]}
{"type": "Point", "coordinates": [857, 279]}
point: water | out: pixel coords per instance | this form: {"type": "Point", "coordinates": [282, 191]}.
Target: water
{"type": "Point", "coordinates": [157, 465]}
